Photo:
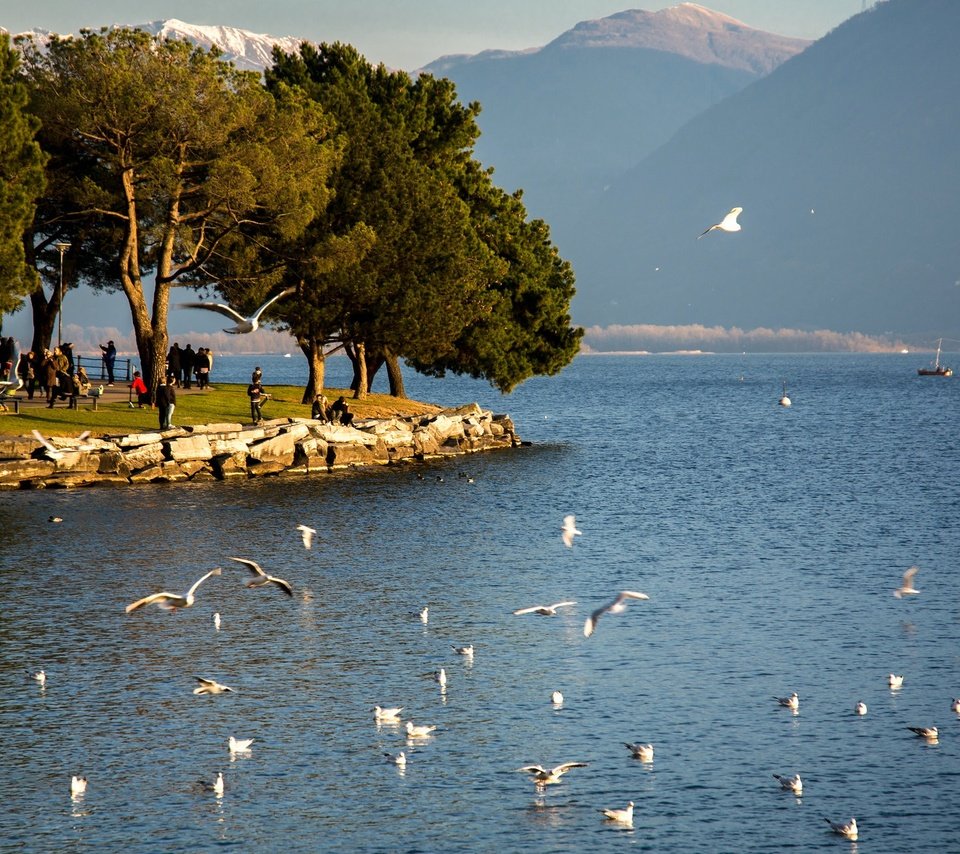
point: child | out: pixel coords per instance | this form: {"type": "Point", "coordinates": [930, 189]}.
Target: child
{"type": "Point", "coordinates": [140, 387]}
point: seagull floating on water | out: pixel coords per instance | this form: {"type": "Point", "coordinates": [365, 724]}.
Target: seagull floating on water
{"type": "Point", "coordinates": [617, 606]}
{"type": "Point", "coordinates": [240, 745]}
{"type": "Point", "coordinates": [78, 785]}
{"type": "Point", "coordinates": [860, 708]}
{"type": "Point", "coordinates": [216, 621]}
{"type": "Point", "coordinates": [955, 706]}
{"type": "Point", "coordinates": [643, 752]}
{"type": "Point", "coordinates": [41, 678]}
{"type": "Point", "coordinates": [440, 677]}
{"type": "Point", "coordinates": [210, 686]}
{"type": "Point", "coordinates": [263, 578]}
{"type": "Point", "coordinates": [792, 702]}
{"type": "Point", "coordinates": [624, 816]}
{"type": "Point", "coordinates": [544, 610]}
{"type": "Point", "coordinates": [930, 733]}
{"type": "Point", "coordinates": [792, 784]}
{"type": "Point", "coordinates": [390, 715]}
{"type": "Point", "coordinates": [398, 759]}
{"type": "Point", "coordinates": [425, 614]}
{"type": "Point", "coordinates": [906, 587]}
{"type": "Point", "coordinates": [216, 786]}
{"type": "Point", "coordinates": [464, 650]}
{"type": "Point", "coordinates": [244, 324]}
{"type": "Point", "coordinates": [548, 776]}
{"type": "Point", "coordinates": [570, 530]}
{"type": "Point", "coordinates": [847, 829]}
{"type": "Point", "coordinates": [895, 681]}
{"type": "Point", "coordinates": [422, 731]}
{"type": "Point", "coordinates": [307, 534]}
{"type": "Point", "coordinates": [556, 698]}
{"type": "Point", "coordinates": [728, 223]}
{"type": "Point", "coordinates": [172, 601]}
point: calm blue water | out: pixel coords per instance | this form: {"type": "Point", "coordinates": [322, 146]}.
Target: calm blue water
{"type": "Point", "coordinates": [768, 539]}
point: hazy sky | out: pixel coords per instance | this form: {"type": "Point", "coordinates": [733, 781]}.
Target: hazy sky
{"type": "Point", "coordinates": [408, 34]}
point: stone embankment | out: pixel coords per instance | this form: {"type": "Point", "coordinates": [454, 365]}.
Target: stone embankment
{"type": "Point", "coordinates": [222, 451]}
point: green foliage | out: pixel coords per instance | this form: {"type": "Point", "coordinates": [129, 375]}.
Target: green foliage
{"type": "Point", "coordinates": [21, 180]}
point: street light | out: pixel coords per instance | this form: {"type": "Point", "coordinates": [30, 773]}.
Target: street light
{"type": "Point", "coordinates": [61, 247]}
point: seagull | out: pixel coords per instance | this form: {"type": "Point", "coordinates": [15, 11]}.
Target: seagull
{"type": "Point", "coordinates": [954, 706]}
{"type": "Point", "coordinates": [792, 784]}
{"type": "Point", "coordinates": [624, 816]}
{"type": "Point", "coordinates": [414, 731]}
{"type": "Point", "coordinates": [262, 578]}
{"type": "Point", "coordinates": [382, 715]}
{"type": "Point", "coordinates": [570, 530]}
{"type": "Point", "coordinates": [792, 702]}
{"type": "Point", "coordinates": [307, 534]}
{"type": "Point", "coordinates": [847, 829]}
{"type": "Point", "coordinates": [216, 621]}
{"type": "Point", "coordinates": [172, 601]}
{"type": "Point", "coordinates": [244, 324]}
{"type": "Point", "coordinates": [906, 587]}
{"type": "Point", "coordinates": [895, 681]}
{"type": "Point", "coordinates": [785, 400]}
{"type": "Point", "coordinates": [398, 759]}
{"type": "Point", "coordinates": [240, 745]}
{"type": "Point", "coordinates": [216, 786]}
{"type": "Point", "coordinates": [931, 733]}
{"type": "Point", "coordinates": [643, 752]}
{"type": "Point", "coordinates": [55, 519]}
{"type": "Point", "coordinates": [41, 678]}
{"type": "Point", "coordinates": [209, 686]}
{"type": "Point", "coordinates": [544, 610]}
{"type": "Point", "coordinates": [556, 698]}
{"type": "Point", "coordinates": [464, 650]}
{"type": "Point", "coordinates": [547, 776]}
{"type": "Point", "coordinates": [57, 453]}
{"type": "Point", "coordinates": [78, 785]}
{"type": "Point", "coordinates": [617, 606]}
{"type": "Point", "coordinates": [860, 708]}
{"type": "Point", "coordinates": [441, 677]}
{"type": "Point", "coordinates": [728, 223]}
{"type": "Point", "coordinates": [425, 614]}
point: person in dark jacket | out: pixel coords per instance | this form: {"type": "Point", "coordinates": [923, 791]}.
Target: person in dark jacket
{"type": "Point", "coordinates": [173, 363]}
{"type": "Point", "coordinates": [187, 359]}
{"type": "Point", "coordinates": [166, 402]}
{"type": "Point", "coordinates": [109, 359]}
{"type": "Point", "coordinates": [257, 396]}
{"type": "Point", "coordinates": [201, 367]}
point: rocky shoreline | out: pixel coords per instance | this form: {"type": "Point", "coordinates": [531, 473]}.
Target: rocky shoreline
{"type": "Point", "coordinates": [283, 446]}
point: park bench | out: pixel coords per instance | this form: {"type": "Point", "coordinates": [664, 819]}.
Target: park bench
{"type": "Point", "coordinates": [11, 398]}
{"type": "Point", "coordinates": [93, 394]}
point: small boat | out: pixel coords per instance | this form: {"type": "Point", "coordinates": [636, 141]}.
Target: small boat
{"type": "Point", "coordinates": [937, 370]}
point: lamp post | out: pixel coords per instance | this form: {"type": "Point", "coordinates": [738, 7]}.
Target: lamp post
{"type": "Point", "coordinates": [61, 247]}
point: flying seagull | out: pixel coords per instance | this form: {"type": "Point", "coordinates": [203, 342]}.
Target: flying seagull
{"type": "Point", "coordinates": [172, 601]}
{"type": "Point", "coordinates": [906, 587]}
{"type": "Point", "coordinates": [569, 530]}
{"type": "Point", "coordinates": [847, 829]}
{"type": "Point", "coordinates": [307, 534]}
{"type": "Point", "coordinates": [544, 610]}
{"type": "Point", "coordinates": [56, 453]}
{"type": "Point", "coordinates": [617, 606]}
{"type": "Point", "coordinates": [262, 578]}
{"type": "Point", "coordinates": [210, 686]}
{"type": "Point", "coordinates": [244, 324]}
{"type": "Point", "coordinates": [791, 784]}
{"type": "Point", "coordinates": [624, 816]}
{"type": "Point", "coordinates": [547, 776]}
{"type": "Point", "coordinates": [728, 223]}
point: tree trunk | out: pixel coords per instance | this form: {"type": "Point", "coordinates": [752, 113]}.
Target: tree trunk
{"type": "Point", "coordinates": [374, 363]}
{"type": "Point", "coordinates": [360, 372]}
{"type": "Point", "coordinates": [316, 363]}
{"type": "Point", "coordinates": [44, 315]}
{"type": "Point", "coordinates": [395, 376]}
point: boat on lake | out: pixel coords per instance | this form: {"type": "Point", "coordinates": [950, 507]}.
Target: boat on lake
{"type": "Point", "coordinates": [937, 370]}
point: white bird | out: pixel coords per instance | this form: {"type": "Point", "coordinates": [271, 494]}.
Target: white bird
{"type": "Point", "coordinates": [244, 324]}
{"type": "Point", "coordinates": [792, 784]}
{"type": "Point", "coordinates": [847, 829]}
{"type": "Point", "coordinates": [263, 578]}
{"type": "Point", "coordinates": [441, 677]}
{"type": "Point", "coordinates": [728, 223]}
{"type": "Point", "coordinates": [389, 715]}
{"type": "Point", "coordinates": [78, 785]}
{"type": "Point", "coordinates": [785, 400]}
{"type": "Point", "coordinates": [307, 534]}
{"type": "Point", "coordinates": [41, 678]}
{"type": "Point", "coordinates": [398, 759]}
{"type": "Point", "coordinates": [210, 686]}
{"type": "Point", "coordinates": [172, 601]}
{"type": "Point", "coordinates": [425, 614]}
{"type": "Point", "coordinates": [931, 733]}
{"type": "Point", "coordinates": [570, 530]}
{"type": "Point", "coordinates": [544, 610]}
{"type": "Point", "coordinates": [556, 698]}
{"type": "Point", "coordinates": [895, 681]}
{"type": "Point", "coordinates": [548, 776]}
{"type": "Point", "coordinates": [792, 702]}
{"type": "Point", "coordinates": [617, 606]}
{"type": "Point", "coordinates": [57, 453]}
{"type": "Point", "coordinates": [415, 731]}
{"type": "Point", "coordinates": [955, 706]}
{"type": "Point", "coordinates": [624, 816]}
{"type": "Point", "coordinates": [464, 650]}
{"type": "Point", "coordinates": [860, 708]}
{"type": "Point", "coordinates": [906, 587]}
{"type": "Point", "coordinates": [643, 752]}
{"type": "Point", "coordinates": [240, 745]}
{"type": "Point", "coordinates": [216, 786]}
{"type": "Point", "coordinates": [216, 621]}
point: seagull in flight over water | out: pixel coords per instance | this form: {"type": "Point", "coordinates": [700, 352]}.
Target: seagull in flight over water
{"type": "Point", "coordinates": [547, 776]}
{"type": "Point", "coordinates": [544, 610]}
{"type": "Point", "coordinates": [172, 601]}
{"type": "Point", "coordinates": [728, 223]}
{"type": "Point", "coordinates": [307, 533]}
{"type": "Point", "coordinates": [244, 324]}
{"type": "Point", "coordinates": [906, 587]}
{"type": "Point", "coordinates": [262, 577]}
{"type": "Point", "coordinates": [569, 530]}
{"type": "Point", "coordinates": [210, 686]}
{"type": "Point", "coordinates": [617, 606]}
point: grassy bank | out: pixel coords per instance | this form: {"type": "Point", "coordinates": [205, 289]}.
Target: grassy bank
{"type": "Point", "coordinates": [224, 403]}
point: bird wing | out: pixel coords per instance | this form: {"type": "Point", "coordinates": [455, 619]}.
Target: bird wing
{"type": "Point", "coordinates": [569, 522]}
{"type": "Point", "coordinates": [908, 575]}
{"type": "Point", "coordinates": [46, 444]}
{"type": "Point", "coordinates": [539, 769]}
{"type": "Point", "coordinates": [561, 605]}
{"type": "Point", "coordinates": [200, 581]}
{"type": "Point", "coordinates": [271, 301]}
{"type": "Point", "coordinates": [731, 218]}
{"type": "Point", "coordinates": [566, 766]}
{"type": "Point", "coordinates": [209, 682]}
{"type": "Point", "coordinates": [528, 610]}
{"type": "Point", "coordinates": [153, 597]}
{"type": "Point", "coordinates": [218, 307]}
{"type": "Point", "coordinates": [590, 626]}
{"type": "Point", "coordinates": [630, 594]}
{"type": "Point", "coordinates": [252, 565]}
{"type": "Point", "coordinates": [284, 585]}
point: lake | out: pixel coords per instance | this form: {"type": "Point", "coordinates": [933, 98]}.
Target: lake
{"type": "Point", "coordinates": [768, 539]}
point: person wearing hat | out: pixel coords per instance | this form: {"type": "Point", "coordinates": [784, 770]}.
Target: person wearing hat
{"type": "Point", "coordinates": [140, 387]}
{"type": "Point", "coordinates": [109, 359]}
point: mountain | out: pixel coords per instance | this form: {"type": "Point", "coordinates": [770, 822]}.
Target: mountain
{"type": "Point", "coordinates": [844, 160]}
{"type": "Point", "coordinates": [562, 120]}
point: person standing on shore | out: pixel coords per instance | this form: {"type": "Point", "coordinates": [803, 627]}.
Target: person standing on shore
{"type": "Point", "coordinates": [109, 359]}
{"type": "Point", "coordinates": [201, 367]}
{"type": "Point", "coordinates": [173, 363]}
{"type": "Point", "coordinates": [139, 387]}
{"type": "Point", "coordinates": [257, 395]}
{"type": "Point", "coordinates": [27, 371]}
{"type": "Point", "coordinates": [187, 359]}
{"type": "Point", "coordinates": [166, 403]}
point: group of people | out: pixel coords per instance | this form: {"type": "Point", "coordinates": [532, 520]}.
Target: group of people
{"type": "Point", "coordinates": [165, 398]}
{"type": "Point", "coordinates": [185, 363]}
{"type": "Point", "coordinates": [336, 413]}
{"type": "Point", "coordinates": [53, 372]}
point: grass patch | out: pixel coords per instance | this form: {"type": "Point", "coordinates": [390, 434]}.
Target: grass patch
{"type": "Point", "coordinates": [224, 403]}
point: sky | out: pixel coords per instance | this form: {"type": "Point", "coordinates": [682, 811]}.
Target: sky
{"type": "Point", "coordinates": [408, 34]}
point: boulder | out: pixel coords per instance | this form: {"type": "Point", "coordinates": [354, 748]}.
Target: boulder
{"type": "Point", "coordinates": [145, 455]}
{"type": "Point", "coordinates": [188, 448]}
